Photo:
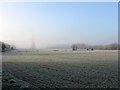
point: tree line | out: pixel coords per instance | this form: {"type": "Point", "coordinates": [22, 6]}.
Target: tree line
{"type": "Point", "coordinates": [6, 47]}
{"type": "Point", "coordinates": [113, 46]}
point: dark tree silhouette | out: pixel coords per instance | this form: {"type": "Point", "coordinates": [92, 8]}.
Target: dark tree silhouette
{"type": "Point", "coordinates": [74, 47]}
{"type": "Point", "coordinates": [92, 49]}
{"type": "Point", "coordinates": [3, 47]}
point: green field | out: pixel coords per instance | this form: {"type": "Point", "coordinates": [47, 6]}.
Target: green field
{"type": "Point", "coordinates": [65, 70]}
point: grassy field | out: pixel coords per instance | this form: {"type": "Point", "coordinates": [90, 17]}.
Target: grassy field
{"type": "Point", "coordinates": [97, 69]}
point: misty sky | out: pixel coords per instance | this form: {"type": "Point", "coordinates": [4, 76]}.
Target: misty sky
{"type": "Point", "coordinates": [50, 24]}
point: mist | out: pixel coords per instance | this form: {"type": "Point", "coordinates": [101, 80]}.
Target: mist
{"type": "Point", "coordinates": [42, 25]}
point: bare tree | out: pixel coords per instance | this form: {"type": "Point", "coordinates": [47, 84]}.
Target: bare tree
{"type": "Point", "coordinates": [3, 47]}
{"type": "Point", "coordinates": [74, 47]}
{"type": "Point", "coordinates": [114, 46]}
{"type": "Point", "coordinates": [6, 47]}
{"type": "Point", "coordinates": [92, 49]}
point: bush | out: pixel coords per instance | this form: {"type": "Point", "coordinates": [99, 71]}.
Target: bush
{"type": "Point", "coordinates": [92, 49]}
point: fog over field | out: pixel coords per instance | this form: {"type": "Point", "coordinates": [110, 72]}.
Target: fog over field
{"type": "Point", "coordinates": [45, 25]}
{"type": "Point", "coordinates": [58, 45]}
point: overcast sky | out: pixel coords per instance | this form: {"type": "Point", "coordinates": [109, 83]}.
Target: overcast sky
{"type": "Point", "coordinates": [50, 24]}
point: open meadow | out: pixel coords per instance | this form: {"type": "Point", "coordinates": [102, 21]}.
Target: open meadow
{"type": "Point", "coordinates": [63, 69]}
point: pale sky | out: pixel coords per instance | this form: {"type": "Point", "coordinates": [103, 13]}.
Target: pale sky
{"type": "Point", "coordinates": [50, 24]}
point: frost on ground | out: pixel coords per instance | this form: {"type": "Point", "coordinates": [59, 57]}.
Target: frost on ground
{"type": "Point", "coordinates": [0, 80]}
{"type": "Point", "coordinates": [97, 69]}
{"type": "Point", "coordinates": [9, 82]}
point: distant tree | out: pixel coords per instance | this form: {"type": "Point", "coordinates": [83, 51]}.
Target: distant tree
{"type": "Point", "coordinates": [3, 47]}
{"type": "Point", "coordinates": [114, 46]}
{"type": "Point", "coordinates": [118, 46]}
{"type": "Point", "coordinates": [0, 46]}
{"type": "Point", "coordinates": [92, 49]}
{"type": "Point", "coordinates": [74, 47]}
{"type": "Point", "coordinates": [13, 47]}
{"type": "Point", "coordinates": [6, 47]}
